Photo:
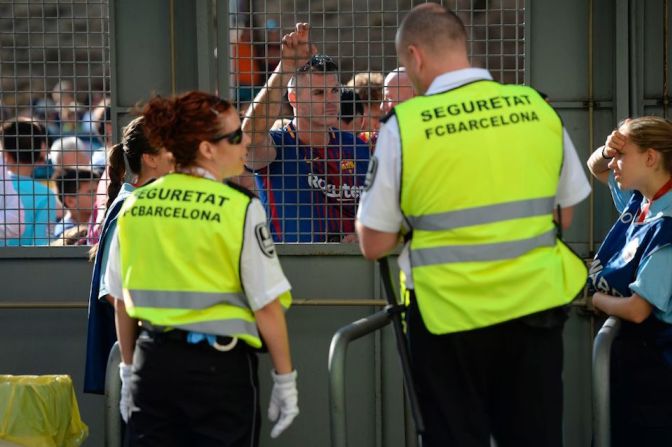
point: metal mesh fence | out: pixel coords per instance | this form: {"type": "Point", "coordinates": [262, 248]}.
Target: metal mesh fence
{"type": "Point", "coordinates": [54, 97]}
{"type": "Point", "coordinates": [54, 102]}
{"type": "Point", "coordinates": [311, 178]}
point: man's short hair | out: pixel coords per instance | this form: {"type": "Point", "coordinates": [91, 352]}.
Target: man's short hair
{"type": "Point", "coordinates": [68, 181]}
{"type": "Point", "coordinates": [22, 140]}
{"type": "Point", "coordinates": [431, 25]}
{"type": "Point", "coordinates": [369, 86]}
{"type": "Point", "coordinates": [351, 105]}
{"type": "Point", "coordinates": [320, 63]}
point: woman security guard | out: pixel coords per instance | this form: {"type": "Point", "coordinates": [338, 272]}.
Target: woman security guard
{"type": "Point", "coordinates": [194, 262]}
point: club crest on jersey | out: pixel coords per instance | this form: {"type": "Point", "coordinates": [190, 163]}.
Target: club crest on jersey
{"type": "Point", "coordinates": [347, 165]}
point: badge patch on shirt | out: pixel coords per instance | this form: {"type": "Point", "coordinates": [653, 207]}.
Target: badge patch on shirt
{"type": "Point", "coordinates": [265, 240]}
{"type": "Point", "coordinates": [371, 173]}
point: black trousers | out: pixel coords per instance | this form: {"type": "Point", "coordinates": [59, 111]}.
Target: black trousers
{"type": "Point", "coordinates": [641, 387]}
{"type": "Point", "coordinates": [503, 380]}
{"type": "Point", "coordinates": [193, 395]}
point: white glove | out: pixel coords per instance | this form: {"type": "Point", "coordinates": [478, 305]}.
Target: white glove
{"type": "Point", "coordinates": [284, 402]}
{"type": "Point", "coordinates": [126, 400]}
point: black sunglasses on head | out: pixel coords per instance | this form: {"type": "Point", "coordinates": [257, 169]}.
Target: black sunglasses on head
{"type": "Point", "coordinates": [234, 137]}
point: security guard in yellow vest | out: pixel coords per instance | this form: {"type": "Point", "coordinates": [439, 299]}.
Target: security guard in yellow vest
{"type": "Point", "coordinates": [194, 262]}
{"type": "Point", "coordinates": [470, 173]}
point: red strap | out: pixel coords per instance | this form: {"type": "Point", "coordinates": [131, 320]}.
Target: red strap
{"type": "Point", "coordinates": [661, 192]}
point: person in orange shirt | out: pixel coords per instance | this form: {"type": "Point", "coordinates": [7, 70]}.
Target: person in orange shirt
{"type": "Point", "coordinates": [247, 67]}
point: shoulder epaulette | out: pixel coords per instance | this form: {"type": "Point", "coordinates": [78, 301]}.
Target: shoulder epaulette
{"type": "Point", "coordinates": [387, 116]}
{"type": "Point", "coordinates": [240, 188]}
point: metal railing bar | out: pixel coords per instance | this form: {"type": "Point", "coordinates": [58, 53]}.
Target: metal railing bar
{"type": "Point", "coordinates": [307, 302]}
{"type": "Point", "coordinates": [601, 379]}
{"type": "Point", "coordinates": [337, 356]}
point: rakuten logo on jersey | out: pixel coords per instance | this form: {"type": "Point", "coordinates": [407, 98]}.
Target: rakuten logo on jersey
{"type": "Point", "coordinates": [345, 193]}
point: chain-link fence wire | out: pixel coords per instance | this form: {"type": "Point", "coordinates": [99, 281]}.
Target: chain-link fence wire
{"type": "Point", "coordinates": [311, 182]}
{"type": "Point", "coordinates": [54, 104]}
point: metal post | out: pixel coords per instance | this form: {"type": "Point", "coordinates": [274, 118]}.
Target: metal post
{"type": "Point", "coordinates": [112, 395]}
{"type": "Point", "coordinates": [337, 356]}
{"type": "Point", "coordinates": [601, 380]}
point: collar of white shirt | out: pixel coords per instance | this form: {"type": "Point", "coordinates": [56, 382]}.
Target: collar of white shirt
{"type": "Point", "coordinates": [457, 78]}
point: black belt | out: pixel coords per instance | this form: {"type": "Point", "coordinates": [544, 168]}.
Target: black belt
{"type": "Point", "coordinates": [222, 343]}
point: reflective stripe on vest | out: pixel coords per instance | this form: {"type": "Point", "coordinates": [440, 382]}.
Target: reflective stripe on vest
{"type": "Point", "coordinates": [185, 300]}
{"type": "Point", "coordinates": [181, 239]}
{"type": "Point", "coordinates": [482, 214]}
{"type": "Point", "coordinates": [480, 252]}
{"type": "Point", "coordinates": [480, 167]}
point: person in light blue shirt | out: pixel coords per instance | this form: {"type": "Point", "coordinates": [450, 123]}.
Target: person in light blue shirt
{"type": "Point", "coordinates": [24, 144]}
{"type": "Point", "coordinates": [630, 277]}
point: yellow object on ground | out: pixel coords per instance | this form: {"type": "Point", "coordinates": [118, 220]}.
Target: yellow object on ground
{"type": "Point", "coordinates": [40, 411]}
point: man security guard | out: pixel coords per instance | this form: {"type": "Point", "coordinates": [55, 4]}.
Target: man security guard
{"type": "Point", "coordinates": [470, 172]}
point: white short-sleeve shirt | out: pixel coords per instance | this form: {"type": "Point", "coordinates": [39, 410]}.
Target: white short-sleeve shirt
{"type": "Point", "coordinates": [379, 207]}
{"type": "Point", "coordinates": [262, 277]}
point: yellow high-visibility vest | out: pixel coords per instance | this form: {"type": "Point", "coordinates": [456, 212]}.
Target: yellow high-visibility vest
{"type": "Point", "coordinates": [479, 174]}
{"type": "Point", "coordinates": [181, 239]}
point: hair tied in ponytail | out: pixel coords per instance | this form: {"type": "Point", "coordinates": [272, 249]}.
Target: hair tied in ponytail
{"type": "Point", "coordinates": [129, 176]}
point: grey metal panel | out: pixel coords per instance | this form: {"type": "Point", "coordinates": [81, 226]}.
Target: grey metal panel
{"type": "Point", "coordinates": [577, 380]}
{"type": "Point", "coordinates": [604, 51]}
{"type": "Point", "coordinates": [621, 94]}
{"type": "Point", "coordinates": [141, 49]}
{"type": "Point", "coordinates": [558, 66]}
{"type": "Point", "coordinates": [186, 53]}
{"type": "Point", "coordinates": [653, 49]}
{"type": "Point", "coordinates": [48, 341]}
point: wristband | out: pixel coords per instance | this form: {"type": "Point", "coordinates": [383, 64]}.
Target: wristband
{"type": "Point", "coordinates": [604, 156]}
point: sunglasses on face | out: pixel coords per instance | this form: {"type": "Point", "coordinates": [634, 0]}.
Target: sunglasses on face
{"type": "Point", "coordinates": [234, 137]}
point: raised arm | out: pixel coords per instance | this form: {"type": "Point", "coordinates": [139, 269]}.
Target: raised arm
{"type": "Point", "coordinates": [598, 163]}
{"type": "Point", "coordinates": [265, 109]}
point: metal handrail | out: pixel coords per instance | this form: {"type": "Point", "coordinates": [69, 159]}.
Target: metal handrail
{"type": "Point", "coordinates": [601, 380]}
{"type": "Point", "coordinates": [112, 397]}
{"type": "Point", "coordinates": [337, 357]}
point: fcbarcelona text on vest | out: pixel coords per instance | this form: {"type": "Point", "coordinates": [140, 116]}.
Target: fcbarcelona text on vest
{"type": "Point", "coordinates": [509, 114]}
{"type": "Point", "coordinates": [173, 210]}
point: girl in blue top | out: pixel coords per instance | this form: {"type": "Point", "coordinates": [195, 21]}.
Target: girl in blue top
{"type": "Point", "coordinates": [133, 162]}
{"type": "Point", "coordinates": [631, 277]}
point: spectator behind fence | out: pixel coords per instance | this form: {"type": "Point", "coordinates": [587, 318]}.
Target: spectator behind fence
{"type": "Point", "coordinates": [247, 68]}
{"type": "Point", "coordinates": [66, 104]}
{"type": "Point", "coordinates": [630, 278]}
{"type": "Point", "coordinates": [369, 87]}
{"type": "Point", "coordinates": [102, 123]}
{"type": "Point", "coordinates": [76, 189]}
{"type": "Point", "coordinates": [11, 210]}
{"type": "Point", "coordinates": [352, 111]}
{"type": "Point", "coordinates": [24, 146]}
{"type": "Point", "coordinates": [269, 49]}
{"type": "Point", "coordinates": [99, 159]}
{"type": "Point", "coordinates": [397, 88]}
{"type": "Point", "coordinates": [69, 153]}
{"type": "Point", "coordinates": [132, 163]}
{"type": "Point", "coordinates": [486, 276]}
{"type": "Point", "coordinates": [309, 173]}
